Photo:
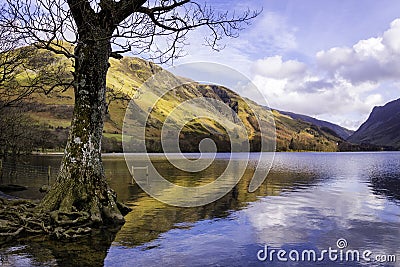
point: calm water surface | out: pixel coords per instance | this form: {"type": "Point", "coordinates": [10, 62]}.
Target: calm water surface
{"type": "Point", "coordinates": [308, 201]}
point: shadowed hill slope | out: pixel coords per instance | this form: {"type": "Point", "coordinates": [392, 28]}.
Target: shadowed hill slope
{"type": "Point", "coordinates": [381, 128]}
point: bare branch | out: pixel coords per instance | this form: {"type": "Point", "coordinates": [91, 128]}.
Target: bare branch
{"type": "Point", "coordinates": [116, 95]}
{"type": "Point", "coordinates": [151, 31]}
{"type": "Point", "coordinates": [148, 28]}
{"type": "Point", "coordinates": [126, 8]}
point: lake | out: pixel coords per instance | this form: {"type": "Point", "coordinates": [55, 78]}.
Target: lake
{"type": "Point", "coordinates": [309, 202]}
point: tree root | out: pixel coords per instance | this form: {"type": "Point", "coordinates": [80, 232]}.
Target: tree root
{"type": "Point", "coordinates": [19, 218]}
{"type": "Point", "coordinates": [69, 218]}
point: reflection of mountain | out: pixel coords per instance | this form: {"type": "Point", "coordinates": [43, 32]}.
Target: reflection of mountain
{"type": "Point", "coordinates": [150, 218]}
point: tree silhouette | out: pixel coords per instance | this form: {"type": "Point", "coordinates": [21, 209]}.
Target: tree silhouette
{"type": "Point", "coordinates": [89, 33]}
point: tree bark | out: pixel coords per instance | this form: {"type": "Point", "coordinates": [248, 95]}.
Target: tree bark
{"type": "Point", "coordinates": [81, 187]}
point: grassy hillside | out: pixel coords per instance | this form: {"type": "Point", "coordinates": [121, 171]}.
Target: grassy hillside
{"type": "Point", "coordinates": [125, 78]}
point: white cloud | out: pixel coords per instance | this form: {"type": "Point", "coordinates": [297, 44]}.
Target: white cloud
{"type": "Point", "coordinates": [268, 34]}
{"type": "Point", "coordinates": [371, 60]}
{"type": "Point", "coordinates": [391, 38]}
{"type": "Point", "coordinates": [370, 48]}
{"type": "Point", "coordinates": [343, 86]}
{"type": "Point", "coordinates": [274, 67]}
{"type": "Point", "coordinates": [334, 57]}
{"type": "Point", "coordinates": [277, 225]}
{"type": "Point", "coordinates": [373, 100]}
{"type": "Point", "coordinates": [337, 101]}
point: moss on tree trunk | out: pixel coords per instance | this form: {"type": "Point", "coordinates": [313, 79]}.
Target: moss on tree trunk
{"type": "Point", "coordinates": [81, 191]}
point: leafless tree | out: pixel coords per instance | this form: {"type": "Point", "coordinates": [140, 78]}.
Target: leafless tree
{"type": "Point", "coordinates": [89, 32]}
{"type": "Point", "coordinates": [21, 73]}
{"type": "Point", "coordinates": [12, 63]}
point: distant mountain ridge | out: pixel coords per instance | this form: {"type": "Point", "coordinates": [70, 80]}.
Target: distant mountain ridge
{"type": "Point", "coordinates": [381, 128]}
{"type": "Point", "coordinates": [339, 130]}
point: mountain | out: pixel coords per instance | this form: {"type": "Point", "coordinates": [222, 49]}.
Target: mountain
{"type": "Point", "coordinates": [382, 128]}
{"type": "Point", "coordinates": [124, 80]}
{"type": "Point", "coordinates": [339, 130]}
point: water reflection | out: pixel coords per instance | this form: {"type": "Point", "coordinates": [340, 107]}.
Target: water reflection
{"type": "Point", "coordinates": [43, 251]}
{"type": "Point", "coordinates": [388, 186]}
{"type": "Point", "coordinates": [150, 218]}
{"type": "Point", "coordinates": [308, 200]}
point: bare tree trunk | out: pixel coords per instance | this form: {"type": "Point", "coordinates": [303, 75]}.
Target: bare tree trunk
{"type": "Point", "coordinates": [81, 187]}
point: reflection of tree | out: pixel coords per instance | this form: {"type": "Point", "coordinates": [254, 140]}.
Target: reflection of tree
{"type": "Point", "coordinates": [387, 185]}
{"type": "Point", "coordinates": [88, 251]}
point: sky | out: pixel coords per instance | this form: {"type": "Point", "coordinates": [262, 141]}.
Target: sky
{"type": "Point", "coordinates": [333, 60]}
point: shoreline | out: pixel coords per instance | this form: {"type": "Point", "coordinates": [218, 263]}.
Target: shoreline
{"type": "Point", "coordinates": [197, 153]}
{"type": "Point", "coordinates": [7, 197]}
